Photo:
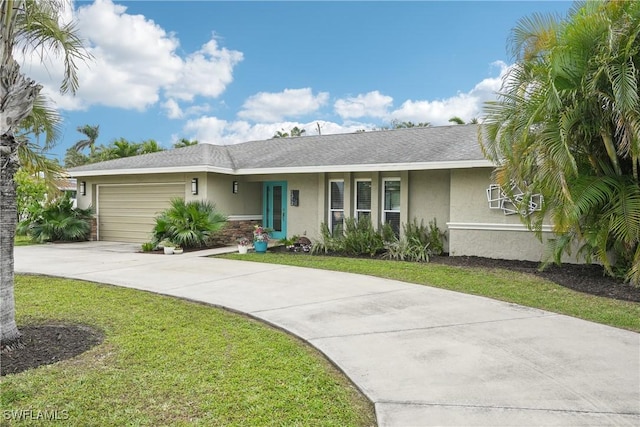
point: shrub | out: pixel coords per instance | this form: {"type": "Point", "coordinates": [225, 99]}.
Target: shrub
{"type": "Point", "coordinates": [189, 225]}
{"type": "Point", "coordinates": [57, 221]}
{"type": "Point", "coordinates": [417, 243]}
{"type": "Point", "coordinates": [360, 238]}
{"type": "Point", "coordinates": [327, 242]}
{"type": "Point", "coordinates": [148, 247]}
{"type": "Point", "coordinates": [437, 238]}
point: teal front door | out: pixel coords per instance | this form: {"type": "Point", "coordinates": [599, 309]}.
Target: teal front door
{"type": "Point", "coordinates": [274, 208]}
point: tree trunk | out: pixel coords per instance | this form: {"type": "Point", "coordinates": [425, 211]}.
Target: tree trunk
{"type": "Point", "coordinates": [9, 334]}
{"type": "Point", "coordinates": [17, 96]}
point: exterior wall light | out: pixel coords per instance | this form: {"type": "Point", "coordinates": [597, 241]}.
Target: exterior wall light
{"type": "Point", "coordinates": [83, 188]}
{"type": "Point", "coordinates": [194, 186]}
{"type": "Point", "coordinates": [234, 188]}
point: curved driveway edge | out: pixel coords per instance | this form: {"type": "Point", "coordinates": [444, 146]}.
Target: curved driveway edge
{"type": "Point", "coordinates": [424, 356]}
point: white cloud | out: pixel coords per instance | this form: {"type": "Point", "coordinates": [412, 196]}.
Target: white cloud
{"type": "Point", "coordinates": [273, 107]}
{"type": "Point", "coordinates": [206, 72]}
{"type": "Point", "coordinates": [372, 104]}
{"type": "Point", "coordinates": [135, 61]}
{"type": "Point", "coordinates": [464, 105]}
{"type": "Point", "coordinates": [173, 109]}
{"type": "Point", "coordinates": [212, 130]}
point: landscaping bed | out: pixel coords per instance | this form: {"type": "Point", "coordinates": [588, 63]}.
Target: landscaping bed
{"type": "Point", "coordinates": [589, 279]}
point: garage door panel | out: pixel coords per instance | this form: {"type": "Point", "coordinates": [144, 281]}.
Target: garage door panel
{"type": "Point", "coordinates": [133, 211]}
{"type": "Point", "coordinates": [126, 213]}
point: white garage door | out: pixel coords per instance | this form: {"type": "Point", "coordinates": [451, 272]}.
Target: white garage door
{"type": "Point", "coordinates": [126, 213]}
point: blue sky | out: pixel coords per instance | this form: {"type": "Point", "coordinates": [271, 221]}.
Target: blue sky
{"type": "Point", "coordinates": [228, 72]}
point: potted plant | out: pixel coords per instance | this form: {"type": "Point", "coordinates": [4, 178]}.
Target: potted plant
{"type": "Point", "coordinates": [168, 247]}
{"type": "Point", "coordinates": [260, 239]}
{"type": "Point", "coordinates": [178, 250]}
{"type": "Point", "coordinates": [243, 245]}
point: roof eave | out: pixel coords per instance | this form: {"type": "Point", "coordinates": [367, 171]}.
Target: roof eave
{"type": "Point", "coordinates": [148, 171]}
{"type": "Point", "coordinates": [380, 167]}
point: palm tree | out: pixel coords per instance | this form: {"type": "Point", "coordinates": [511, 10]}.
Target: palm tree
{"type": "Point", "coordinates": [150, 146]}
{"type": "Point", "coordinates": [184, 142]}
{"type": "Point", "coordinates": [567, 124]}
{"type": "Point", "coordinates": [280, 134]}
{"type": "Point", "coordinates": [296, 131]}
{"type": "Point", "coordinates": [29, 25]}
{"type": "Point", "coordinates": [456, 120]}
{"type": "Point", "coordinates": [397, 124]}
{"type": "Point", "coordinates": [91, 132]}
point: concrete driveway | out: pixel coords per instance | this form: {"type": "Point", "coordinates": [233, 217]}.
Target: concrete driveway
{"type": "Point", "coordinates": [424, 356]}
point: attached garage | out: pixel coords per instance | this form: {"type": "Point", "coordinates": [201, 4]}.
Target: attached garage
{"type": "Point", "coordinates": [125, 213]}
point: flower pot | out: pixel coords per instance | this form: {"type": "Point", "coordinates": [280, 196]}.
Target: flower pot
{"type": "Point", "coordinates": [168, 250]}
{"type": "Point", "coordinates": [260, 247]}
{"type": "Point", "coordinates": [178, 251]}
{"type": "Point", "coordinates": [242, 249]}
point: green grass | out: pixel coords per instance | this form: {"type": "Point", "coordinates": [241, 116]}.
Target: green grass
{"type": "Point", "coordinates": [505, 285]}
{"type": "Point", "coordinates": [23, 241]}
{"type": "Point", "coordinates": [166, 361]}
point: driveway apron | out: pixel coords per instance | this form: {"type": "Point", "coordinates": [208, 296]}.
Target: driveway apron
{"type": "Point", "coordinates": [424, 356]}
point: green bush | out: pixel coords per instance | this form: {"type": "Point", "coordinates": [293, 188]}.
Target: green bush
{"type": "Point", "coordinates": [328, 243]}
{"type": "Point", "coordinates": [437, 238]}
{"type": "Point", "coordinates": [148, 247]}
{"type": "Point", "coordinates": [417, 242]}
{"type": "Point", "coordinates": [57, 221]}
{"type": "Point", "coordinates": [360, 238]}
{"type": "Point", "coordinates": [189, 225]}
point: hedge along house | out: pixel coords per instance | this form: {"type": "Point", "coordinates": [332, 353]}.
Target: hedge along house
{"type": "Point", "coordinates": [292, 185]}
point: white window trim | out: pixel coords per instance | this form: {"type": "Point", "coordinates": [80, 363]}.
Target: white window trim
{"type": "Point", "coordinates": [330, 211]}
{"type": "Point", "coordinates": [356, 211]}
{"type": "Point", "coordinates": [383, 200]}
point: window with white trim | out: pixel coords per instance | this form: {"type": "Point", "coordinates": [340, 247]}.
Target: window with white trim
{"type": "Point", "coordinates": [391, 205]}
{"type": "Point", "coordinates": [363, 198]}
{"type": "Point", "coordinates": [336, 206]}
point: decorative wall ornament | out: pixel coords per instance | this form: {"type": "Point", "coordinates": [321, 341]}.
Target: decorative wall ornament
{"type": "Point", "coordinates": [498, 199]}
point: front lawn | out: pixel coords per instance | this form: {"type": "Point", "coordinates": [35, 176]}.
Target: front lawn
{"type": "Point", "coordinates": [168, 362]}
{"type": "Point", "coordinates": [505, 285]}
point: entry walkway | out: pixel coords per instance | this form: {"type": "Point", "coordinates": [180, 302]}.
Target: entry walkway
{"type": "Point", "coordinates": [424, 356]}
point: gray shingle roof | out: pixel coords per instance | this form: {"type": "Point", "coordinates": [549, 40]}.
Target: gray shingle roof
{"type": "Point", "coordinates": [441, 144]}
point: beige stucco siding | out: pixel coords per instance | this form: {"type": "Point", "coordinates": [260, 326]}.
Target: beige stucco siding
{"type": "Point", "coordinates": [476, 230]}
{"type": "Point", "coordinates": [246, 202]}
{"type": "Point", "coordinates": [428, 198]}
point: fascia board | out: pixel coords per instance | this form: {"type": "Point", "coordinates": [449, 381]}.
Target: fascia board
{"type": "Point", "coordinates": [465, 164]}
{"type": "Point", "coordinates": [148, 171]}
{"type": "Point", "coordinates": [382, 167]}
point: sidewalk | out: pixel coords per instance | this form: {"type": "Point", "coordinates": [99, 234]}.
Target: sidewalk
{"type": "Point", "coordinates": [424, 356]}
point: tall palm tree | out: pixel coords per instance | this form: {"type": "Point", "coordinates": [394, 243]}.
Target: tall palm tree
{"type": "Point", "coordinates": [91, 132]}
{"type": "Point", "coordinates": [27, 25]}
{"type": "Point", "coordinates": [567, 124]}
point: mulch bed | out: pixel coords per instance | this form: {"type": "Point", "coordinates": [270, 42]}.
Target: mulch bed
{"type": "Point", "coordinates": [590, 279]}
{"type": "Point", "coordinates": [47, 344]}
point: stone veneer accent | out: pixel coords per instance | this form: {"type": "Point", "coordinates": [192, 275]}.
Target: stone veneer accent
{"type": "Point", "coordinates": [235, 230]}
{"type": "Point", "coordinates": [93, 235]}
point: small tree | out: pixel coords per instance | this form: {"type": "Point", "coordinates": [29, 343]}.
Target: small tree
{"type": "Point", "coordinates": [31, 192]}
